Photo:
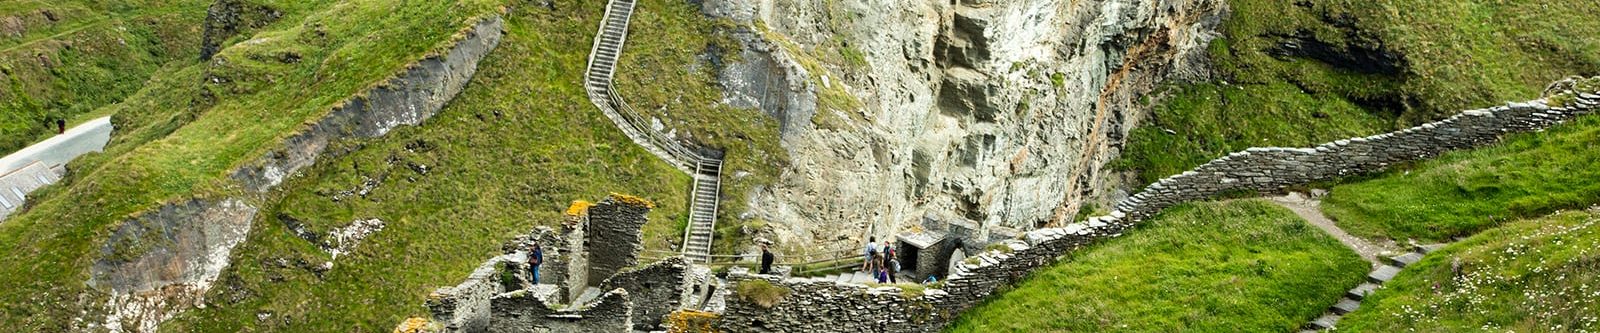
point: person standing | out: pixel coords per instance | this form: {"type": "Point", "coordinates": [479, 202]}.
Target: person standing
{"type": "Point", "coordinates": [535, 258]}
{"type": "Point", "coordinates": [766, 260]}
{"type": "Point", "coordinates": [872, 249]}
{"type": "Point", "coordinates": [61, 126]}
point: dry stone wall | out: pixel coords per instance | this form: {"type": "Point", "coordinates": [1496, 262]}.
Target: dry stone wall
{"type": "Point", "coordinates": [526, 312]}
{"type": "Point", "coordinates": [825, 306]}
{"type": "Point", "coordinates": [656, 290]}
{"type": "Point", "coordinates": [612, 236]}
{"type": "Point", "coordinates": [1272, 169]}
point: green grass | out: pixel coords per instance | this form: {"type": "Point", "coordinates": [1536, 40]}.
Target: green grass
{"type": "Point", "coordinates": [1538, 275]}
{"type": "Point", "coordinates": [49, 248]}
{"type": "Point", "coordinates": [1457, 56]}
{"type": "Point", "coordinates": [662, 75]}
{"type": "Point", "coordinates": [89, 57]}
{"type": "Point", "coordinates": [1461, 193]}
{"type": "Point", "coordinates": [491, 178]}
{"type": "Point", "coordinates": [1240, 266]}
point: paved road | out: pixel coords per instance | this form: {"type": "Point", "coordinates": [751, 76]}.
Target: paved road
{"type": "Point", "coordinates": [56, 151]}
{"type": "Point", "coordinates": [39, 165]}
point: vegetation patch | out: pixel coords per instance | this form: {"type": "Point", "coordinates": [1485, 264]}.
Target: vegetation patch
{"type": "Point", "coordinates": [761, 292]}
{"type": "Point", "coordinates": [177, 149]}
{"type": "Point", "coordinates": [663, 73]}
{"type": "Point", "coordinates": [1538, 275]}
{"type": "Point", "coordinates": [512, 152]}
{"type": "Point", "coordinates": [1464, 192]}
{"type": "Point", "coordinates": [1322, 70]}
{"type": "Point", "coordinates": [1240, 266]}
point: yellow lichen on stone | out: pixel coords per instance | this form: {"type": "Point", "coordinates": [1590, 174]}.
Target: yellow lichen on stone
{"type": "Point", "coordinates": [690, 321]}
{"type": "Point", "coordinates": [412, 325]}
{"type": "Point", "coordinates": [633, 200]}
{"type": "Point", "coordinates": [579, 208]}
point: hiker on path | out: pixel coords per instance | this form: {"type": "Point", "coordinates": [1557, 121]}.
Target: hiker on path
{"type": "Point", "coordinates": [872, 249]}
{"type": "Point", "coordinates": [890, 262]}
{"type": "Point", "coordinates": [535, 258]}
{"type": "Point", "coordinates": [766, 260]}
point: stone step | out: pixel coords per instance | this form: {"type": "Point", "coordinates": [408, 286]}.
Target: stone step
{"type": "Point", "coordinates": [1405, 259]}
{"type": "Point", "coordinates": [1345, 306]}
{"type": "Point", "coordinates": [1327, 321]}
{"type": "Point", "coordinates": [1361, 291]}
{"type": "Point", "coordinates": [1383, 274]}
{"type": "Point", "coordinates": [1425, 249]}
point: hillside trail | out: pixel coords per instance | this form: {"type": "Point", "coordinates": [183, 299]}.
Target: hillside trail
{"type": "Point", "coordinates": [1310, 209]}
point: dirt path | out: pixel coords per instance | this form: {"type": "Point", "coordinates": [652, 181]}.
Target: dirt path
{"type": "Point", "coordinates": [1310, 209]}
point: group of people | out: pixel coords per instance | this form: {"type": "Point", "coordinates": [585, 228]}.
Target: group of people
{"type": "Point", "coordinates": [881, 262]}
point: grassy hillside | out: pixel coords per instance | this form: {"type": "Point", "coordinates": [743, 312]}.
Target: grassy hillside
{"type": "Point", "coordinates": [63, 59]}
{"type": "Point", "coordinates": [657, 53]}
{"type": "Point", "coordinates": [1363, 67]}
{"type": "Point", "coordinates": [1538, 275]}
{"type": "Point", "coordinates": [49, 247]}
{"type": "Point", "coordinates": [1241, 266]}
{"type": "Point", "coordinates": [1465, 192]}
{"type": "Point", "coordinates": [510, 153]}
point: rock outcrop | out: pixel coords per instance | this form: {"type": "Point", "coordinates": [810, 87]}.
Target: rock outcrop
{"type": "Point", "coordinates": [160, 263]}
{"type": "Point", "coordinates": [228, 18]}
{"type": "Point", "coordinates": [996, 111]}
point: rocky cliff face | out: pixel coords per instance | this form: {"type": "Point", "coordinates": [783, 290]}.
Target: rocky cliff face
{"type": "Point", "coordinates": [997, 111]}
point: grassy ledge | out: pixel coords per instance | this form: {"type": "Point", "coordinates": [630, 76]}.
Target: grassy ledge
{"type": "Point", "coordinates": [50, 246]}
{"type": "Point", "coordinates": [664, 75]}
{"type": "Point", "coordinates": [1538, 275]}
{"type": "Point", "coordinates": [1464, 192]}
{"type": "Point", "coordinates": [63, 59]}
{"type": "Point", "coordinates": [511, 152]}
{"type": "Point", "coordinates": [1246, 266]}
{"type": "Point", "coordinates": [1434, 60]}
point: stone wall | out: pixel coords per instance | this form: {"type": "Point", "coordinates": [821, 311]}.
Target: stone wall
{"type": "Point", "coordinates": [825, 306]}
{"type": "Point", "coordinates": [656, 290]}
{"type": "Point", "coordinates": [465, 307]}
{"type": "Point", "coordinates": [612, 239]}
{"type": "Point", "coordinates": [522, 311]}
{"type": "Point", "coordinates": [1272, 169]}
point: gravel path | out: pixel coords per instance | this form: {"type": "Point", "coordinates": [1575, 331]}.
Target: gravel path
{"type": "Point", "coordinates": [1310, 209]}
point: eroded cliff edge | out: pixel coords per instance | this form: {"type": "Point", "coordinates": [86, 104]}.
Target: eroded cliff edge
{"type": "Point", "coordinates": [995, 111]}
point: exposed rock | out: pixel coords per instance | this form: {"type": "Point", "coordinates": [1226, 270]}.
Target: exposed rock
{"type": "Point", "coordinates": [226, 18]}
{"type": "Point", "coordinates": [165, 260]}
{"type": "Point", "coordinates": [159, 264]}
{"type": "Point", "coordinates": [1003, 111]}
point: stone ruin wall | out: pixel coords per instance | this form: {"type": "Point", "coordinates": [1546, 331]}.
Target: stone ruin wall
{"type": "Point", "coordinates": [814, 306]}
{"type": "Point", "coordinates": [520, 311]}
{"type": "Point", "coordinates": [612, 239]}
{"type": "Point", "coordinates": [658, 289]}
{"type": "Point", "coordinates": [492, 298]}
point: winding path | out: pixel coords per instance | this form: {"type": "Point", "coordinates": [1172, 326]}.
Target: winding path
{"type": "Point", "coordinates": [706, 169]}
{"type": "Point", "coordinates": [1310, 209]}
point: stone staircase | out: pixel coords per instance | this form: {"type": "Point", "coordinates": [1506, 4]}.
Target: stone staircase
{"type": "Point", "coordinates": [706, 170]}
{"type": "Point", "coordinates": [703, 212]}
{"type": "Point", "coordinates": [1380, 275]}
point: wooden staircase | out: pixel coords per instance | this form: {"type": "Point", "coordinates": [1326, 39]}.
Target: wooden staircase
{"type": "Point", "coordinates": [703, 212]}
{"type": "Point", "coordinates": [706, 170]}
